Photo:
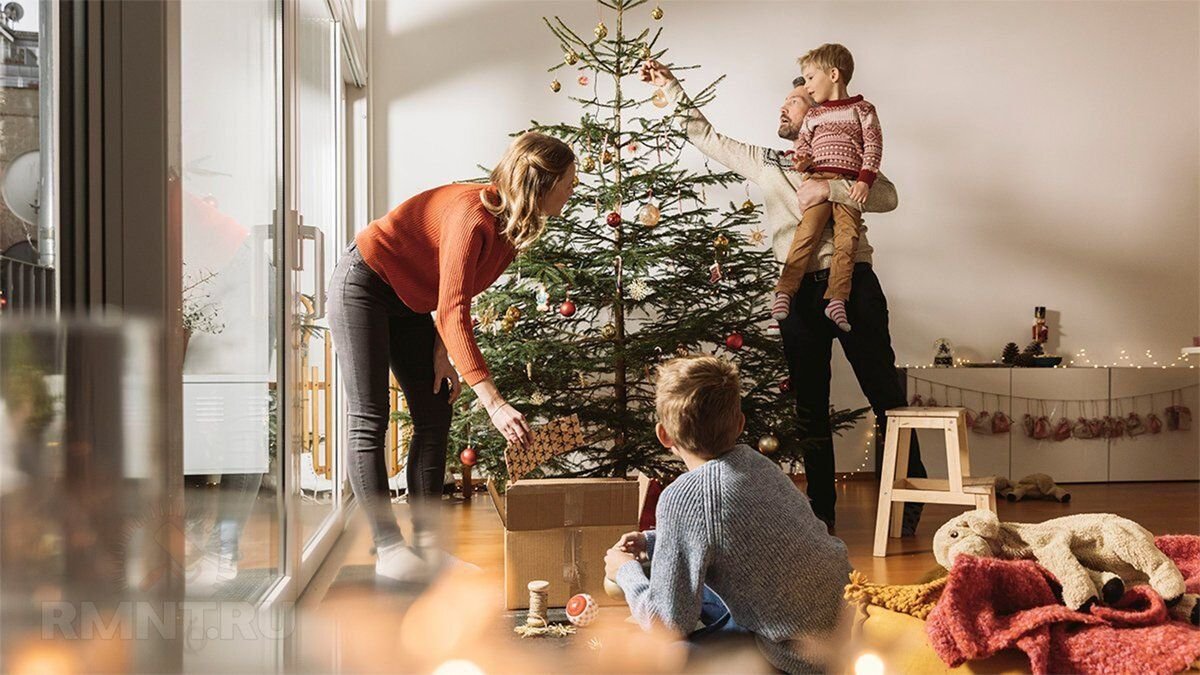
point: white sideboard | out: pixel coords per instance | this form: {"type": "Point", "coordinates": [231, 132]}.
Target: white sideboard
{"type": "Point", "coordinates": [225, 424]}
{"type": "Point", "coordinates": [1070, 393]}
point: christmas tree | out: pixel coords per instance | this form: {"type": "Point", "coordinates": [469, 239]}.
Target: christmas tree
{"type": "Point", "coordinates": [639, 268]}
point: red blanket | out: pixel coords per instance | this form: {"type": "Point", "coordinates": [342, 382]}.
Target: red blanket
{"type": "Point", "coordinates": [989, 605]}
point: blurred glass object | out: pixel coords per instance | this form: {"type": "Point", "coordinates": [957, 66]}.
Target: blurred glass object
{"type": "Point", "coordinates": [89, 535]}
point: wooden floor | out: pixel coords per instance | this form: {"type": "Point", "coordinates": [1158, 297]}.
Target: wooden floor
{"type": "Point", "coordinates": [1162, 508]}
{"type": "Point", "coordinates": [358, 624]}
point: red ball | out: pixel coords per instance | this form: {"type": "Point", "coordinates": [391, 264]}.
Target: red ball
{"type": "Point", "coordinates": [467, 456]}
{"type": "Point", "coordinates": [567, 308]}
{"type": "Point", "coordinates": [734, 341]}
{"type": "Point", "coordinates": [614, 219]}
{"type": "Point", "coordinates": [785, 385]}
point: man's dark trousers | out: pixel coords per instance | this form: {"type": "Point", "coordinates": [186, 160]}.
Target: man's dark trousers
{"type": "Point", "coordinates": [808, 343]}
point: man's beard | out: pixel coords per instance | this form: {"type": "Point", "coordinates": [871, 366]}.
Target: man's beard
{"type": "Point", "coordinates": [788, 132]}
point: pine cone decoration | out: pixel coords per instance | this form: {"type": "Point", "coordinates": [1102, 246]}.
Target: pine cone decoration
{"type": "Point", "coordinates": [1010, 353]}
{"type": "Point", "coordinates": [1023, 360]}
{"type": "Point", "coordinates": [1034, 349]}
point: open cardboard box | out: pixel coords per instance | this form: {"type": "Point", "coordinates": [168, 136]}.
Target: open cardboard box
{"type": "Point", "coordinates": [558, 529]}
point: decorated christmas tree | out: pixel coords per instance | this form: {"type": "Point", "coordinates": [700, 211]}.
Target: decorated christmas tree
{"type": "Point", "coordinates": [641, 267]}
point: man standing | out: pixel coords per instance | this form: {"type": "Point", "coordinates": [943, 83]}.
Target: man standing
{"type": "Point", "coordinates": [807, 334]}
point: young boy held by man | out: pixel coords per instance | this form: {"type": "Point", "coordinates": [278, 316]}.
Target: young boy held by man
{"type": "Point", "coordinates": [840, 137]}
{"type": "Point", "coordinates": [737, 547]}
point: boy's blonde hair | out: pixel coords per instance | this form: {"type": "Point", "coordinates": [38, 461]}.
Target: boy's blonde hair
{"type": "Point", "coordinates": [531, 166]}
{"type": "Point", "coordinates": [698, 399]}
{"type": "Point", "coordinates": [829, 56]}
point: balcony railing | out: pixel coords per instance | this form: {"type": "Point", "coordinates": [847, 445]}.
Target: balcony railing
{"type": "Point", "coordinates": [25, 288]}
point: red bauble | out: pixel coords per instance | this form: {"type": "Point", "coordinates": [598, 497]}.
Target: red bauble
{"type": "Point", "coordinates": [734, 341]}
{"type": "Point", "coordinates": [567, 308]}
{"type": "Point", "coordinates": [467, 456]}
{"type": "Point", "coordinates": [785, 385]}
{"type": "Point", "coordinates": [614, 219]}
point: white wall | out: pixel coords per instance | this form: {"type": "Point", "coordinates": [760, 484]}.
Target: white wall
{"type": "Point", "coordinates": [1045, 153]}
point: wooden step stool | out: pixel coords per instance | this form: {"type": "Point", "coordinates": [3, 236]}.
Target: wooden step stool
{"type": "Point", "coordinates": [896, 488]}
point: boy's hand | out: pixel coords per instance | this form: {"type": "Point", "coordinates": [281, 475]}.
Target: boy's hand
{"type": "Point", "coordinates": [656, 73]}
{"type": "Point", "coordinates": [633, 543]}
{"type": "Point", "coordinates": [613, 560]}
{"type": "Point", "coordinates": [859, 192]}
{"type": "Point", "coordinates": [801, 162]}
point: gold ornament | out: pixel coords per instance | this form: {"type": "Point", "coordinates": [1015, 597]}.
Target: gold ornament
{"type": "Point", "coordinates": [555, 85]}
{"type": "Point", "coordinates": [660, 99]}
{"type": "Point", "coordinates": [768, 444]}
{"type": "Point", "coordinates": [681, 350]}
{"type": "Point", "coordinates": [649, 215]}
{"type": "Point", "coordinates": [721, 241]}
{"type": "Point", "coordinates": [512, 314]}
{"type": "Point", "coordinates": [608, 332]}
{"type": "Point", "coordinates": [601, 31]}
{"type": "Point", "coordinates": [656, 13]}
{"type": "Point", "coordinates": [575, 181]}
{"type": "Point", "coordinates": [487, 318]}
{"type": "Point", "coordinates": [571, 58]}
{"type": "Point", "coordinates": [644, 52]}
{"type": "Point", "coordinates": [606, 157]}
{"type": "Point", "coordinates": [589, 163]}
{"type": "Point", "coordinates": [748, 206]}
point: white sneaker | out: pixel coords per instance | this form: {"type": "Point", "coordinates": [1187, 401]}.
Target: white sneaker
{"type": "Point", "coordinates": [399, 563]}
{"type": "Point", "coordinates": [440, 560]}
{"type": "Point", "coordinates": [210, 572]}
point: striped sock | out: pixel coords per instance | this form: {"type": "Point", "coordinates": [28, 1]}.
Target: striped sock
{"type": "Point", "coordinates": [781, 307]}
{"type": "Point", "coordinates": [836, 311]}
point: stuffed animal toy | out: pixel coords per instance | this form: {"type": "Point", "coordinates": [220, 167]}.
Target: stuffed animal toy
{"type": "Point", "coordinates": [1033, 486]}
{"type": "Point", "coordinates": [1092, 555]}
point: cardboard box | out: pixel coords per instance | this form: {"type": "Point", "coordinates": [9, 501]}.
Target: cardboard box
{"type": "Point", "coordinates": [558, 529]}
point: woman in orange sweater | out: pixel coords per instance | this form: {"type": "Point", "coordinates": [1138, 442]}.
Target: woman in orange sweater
{"type": "Point", "coordinates": [434, 252]}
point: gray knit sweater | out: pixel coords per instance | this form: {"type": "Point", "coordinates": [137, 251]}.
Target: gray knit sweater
{"type": "Point", "coordinates": [738, 525]}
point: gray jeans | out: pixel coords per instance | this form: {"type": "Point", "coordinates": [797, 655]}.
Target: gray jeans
{"type": "Point", "coordinates": [373, 330]}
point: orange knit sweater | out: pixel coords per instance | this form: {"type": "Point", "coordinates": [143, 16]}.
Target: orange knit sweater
{"type": "Point", "coordinates": [438, 250]}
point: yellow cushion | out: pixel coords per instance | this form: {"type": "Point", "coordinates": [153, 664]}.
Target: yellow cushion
{"type": "Point", "coordinates": [901, 641]}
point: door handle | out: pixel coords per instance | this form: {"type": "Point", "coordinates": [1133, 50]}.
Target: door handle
{"type": "Point", "coordinates": [318, 238]}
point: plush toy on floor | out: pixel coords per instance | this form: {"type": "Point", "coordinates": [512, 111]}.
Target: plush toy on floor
{"type": "Point", "coordinates": [1033, 486]}
{"type": "Point", "coordinates": [1092, 555]}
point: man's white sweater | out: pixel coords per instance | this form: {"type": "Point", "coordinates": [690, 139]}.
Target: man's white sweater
{"type": "Point", "coordinates": [771, 170]}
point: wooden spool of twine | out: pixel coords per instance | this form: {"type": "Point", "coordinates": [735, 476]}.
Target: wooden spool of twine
{"type": "Point", "coordinates": [539, 597]}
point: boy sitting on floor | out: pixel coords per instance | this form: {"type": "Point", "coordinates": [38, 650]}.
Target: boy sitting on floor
{"type": "Point", "coordinates": [737, 546]}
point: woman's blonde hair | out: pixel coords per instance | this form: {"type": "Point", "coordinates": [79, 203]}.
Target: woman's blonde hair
{"type": "Point", "coordinates": [529, 168]}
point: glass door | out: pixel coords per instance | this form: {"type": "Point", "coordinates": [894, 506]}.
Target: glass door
{"type": "Point", "coordinates": [318, 237]}
{"type": "Point", "coordinates": [230, 85]}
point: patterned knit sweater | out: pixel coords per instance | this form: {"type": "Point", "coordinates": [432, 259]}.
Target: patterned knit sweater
{"type": "Point", "coordinates": [438, 250]}
{"type": "Point", "coordinates": [738, 525]}
{"type": "Point", "coordinates": [843, 137]}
